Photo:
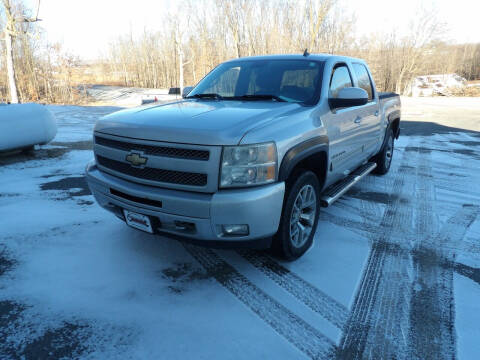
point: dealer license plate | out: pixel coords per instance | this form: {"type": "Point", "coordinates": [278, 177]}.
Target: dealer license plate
{"type": "Point", "coordinates": [138, 221]}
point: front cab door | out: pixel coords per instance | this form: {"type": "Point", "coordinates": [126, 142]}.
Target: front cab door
{"type": "Point", "coordinates": [344, 128]}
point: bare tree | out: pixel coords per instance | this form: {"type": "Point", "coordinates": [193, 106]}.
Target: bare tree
{"type": "Point", "coordinates": [181, 62]}
{"type": "Point", "coordinates": [317, 11]}
{"type": "Point", "coordinates": [10, 31]}
{"type": "Point", "coordinates": [425, 28]}
{"type": "Point", "coordinates": [197, 35]}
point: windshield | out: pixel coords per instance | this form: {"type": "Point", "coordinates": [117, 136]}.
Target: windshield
{"type": "Point", "coordinates": [272, 80]}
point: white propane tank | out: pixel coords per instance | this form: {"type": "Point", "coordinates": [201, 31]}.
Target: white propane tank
{"type": "Point", "coordinates": [25, 125]}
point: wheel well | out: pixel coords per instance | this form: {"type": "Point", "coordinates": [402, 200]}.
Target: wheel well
{"type": "Point", "coordinates": [317, 163]}
{"type": "Point", "coordinates": [395, 127]}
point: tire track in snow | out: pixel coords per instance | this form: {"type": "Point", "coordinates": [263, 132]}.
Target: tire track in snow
{"type": "Point", "coordinates": [373, 328]}
{"type": "Point", "coordinates": [432, 320]}
{"type": "Point", "coordinates": [353, 342]}
{"type": "Point", "coordinates": [409, 319]}
{"type": "Point", "coordinates": [425, 199]}
{"type": "Point", "coordinates": [294, 329]}
{"type": "Point", "coordinates": [432, 315]}
{"type": "Point", "coordinates": [391, 337]}
{"type": "Point", "coordinates": [468, 272]}
{"type": "Point", "coordinates": [370, 211]}
{"type": "Point", "coordinates": [302, 290]}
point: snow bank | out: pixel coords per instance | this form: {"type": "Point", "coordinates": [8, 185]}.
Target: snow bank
{"type": "Point", "coordinates": [24, 125]}
{"type": "Point", "coordinates": [429, 85]}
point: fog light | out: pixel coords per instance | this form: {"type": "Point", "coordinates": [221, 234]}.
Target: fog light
{"type": "Point", "coordinates": [235, 230]}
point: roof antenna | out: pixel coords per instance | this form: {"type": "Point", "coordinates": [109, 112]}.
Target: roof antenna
{"type": "Point", "coordinates": [306, 53]}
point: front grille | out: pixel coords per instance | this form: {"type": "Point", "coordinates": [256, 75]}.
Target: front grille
{"type": "Point", "coordinates": [159, 175]}
{"type": "Point", "coordinates": [166, 151]}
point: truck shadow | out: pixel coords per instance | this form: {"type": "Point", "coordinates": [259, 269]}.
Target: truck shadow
{"type": "Point", "coordinates": [426, 128]}
{"type": "Point", "coordinates": [54, 151]}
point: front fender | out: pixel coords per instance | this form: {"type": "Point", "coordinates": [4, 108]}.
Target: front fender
{"type": "Point", "coordinates": [302, 151]}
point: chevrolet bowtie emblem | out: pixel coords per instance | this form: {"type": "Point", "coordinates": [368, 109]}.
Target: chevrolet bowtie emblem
{"type": "Point", "coordinates": [136, 159]}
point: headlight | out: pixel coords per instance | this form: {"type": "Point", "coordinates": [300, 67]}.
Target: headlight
{"type": "Point", "coordinates": [248, 165]}
{"type": "Point", "coordinates": [90, 165]}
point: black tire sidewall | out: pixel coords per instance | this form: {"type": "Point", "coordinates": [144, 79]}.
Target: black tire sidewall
{"type": "Point", "coordinates": [381, 160]}
{"type": "Point", "coordinates": [282, 241]}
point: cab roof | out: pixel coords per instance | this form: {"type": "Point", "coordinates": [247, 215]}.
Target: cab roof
{"type": "Point", "coordinates": [314, 57]}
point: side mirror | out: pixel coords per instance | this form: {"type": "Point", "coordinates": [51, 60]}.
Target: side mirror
{"type": "Point", "coordinates": [186, 91]}
{"type": "Point", "coordinates": [347, 97]}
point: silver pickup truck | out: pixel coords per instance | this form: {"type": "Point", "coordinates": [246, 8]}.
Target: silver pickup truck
{"type": "Point", "coordinates": [250, 154]}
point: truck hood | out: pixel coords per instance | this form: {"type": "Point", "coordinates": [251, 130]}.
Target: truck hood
{"type": "Point", "coordinates": [203, 122]}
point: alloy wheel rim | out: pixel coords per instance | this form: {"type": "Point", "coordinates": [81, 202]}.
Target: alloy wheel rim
{"type": "Point", "coordinates": [303, 215]}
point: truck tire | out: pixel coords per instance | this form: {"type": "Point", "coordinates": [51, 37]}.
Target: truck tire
{"type": "Point", "coordinates": [384, 157]}
{"type": "Point", "coordinates": [299, 216]}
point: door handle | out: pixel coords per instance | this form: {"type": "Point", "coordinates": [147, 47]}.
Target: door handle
{"type": "Point", "coordinates": [357, 120]}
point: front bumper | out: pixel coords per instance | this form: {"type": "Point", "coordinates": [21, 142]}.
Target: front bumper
{"type": "Point", "coordinates": [189, 214]}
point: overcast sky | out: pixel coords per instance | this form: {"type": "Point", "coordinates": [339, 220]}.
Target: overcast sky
{"type": "Point", "coordinates": [85, 27]}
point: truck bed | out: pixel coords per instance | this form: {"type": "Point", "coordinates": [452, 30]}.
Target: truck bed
{"type": "Point", "coordinates": [385, 95]}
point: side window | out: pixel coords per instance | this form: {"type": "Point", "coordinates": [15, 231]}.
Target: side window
{"type": "Point", "coordinates": [340, 79]}
{"type": "Point", "coordinates": [363, 79]}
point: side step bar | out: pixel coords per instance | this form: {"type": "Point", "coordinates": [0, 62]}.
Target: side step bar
{"type": "Point", "coordinates": [335, 191]}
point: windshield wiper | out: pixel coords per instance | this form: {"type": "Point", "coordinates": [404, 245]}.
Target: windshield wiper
{"type": "Point", "coordinates": [260, 97]}
{"type": "Point", "coordinates": [206, 96]}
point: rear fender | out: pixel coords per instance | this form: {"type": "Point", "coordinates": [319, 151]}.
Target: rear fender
{"type": "Point", "coordinates": [392, 117]}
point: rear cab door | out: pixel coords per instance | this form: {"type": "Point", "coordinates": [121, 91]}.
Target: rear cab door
{"type": "Point", "coordinates": [369, 117]}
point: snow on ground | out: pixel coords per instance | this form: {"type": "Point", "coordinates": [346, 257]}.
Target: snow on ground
{"type": "Point", "coordinates": [394, 273]}
{"type": "Point", "coordinates": [76, 123]}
